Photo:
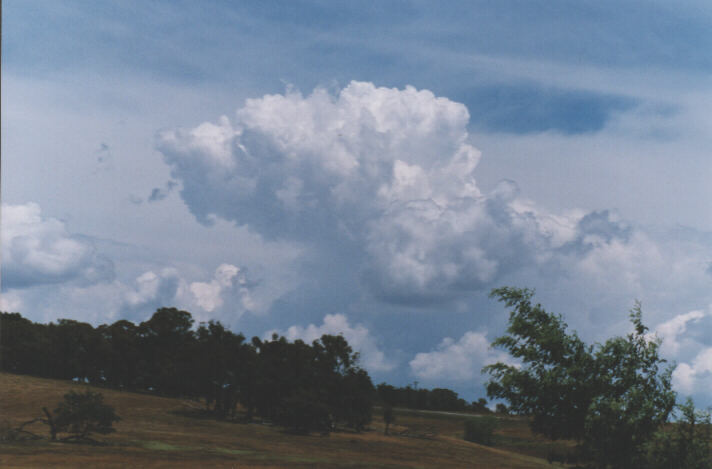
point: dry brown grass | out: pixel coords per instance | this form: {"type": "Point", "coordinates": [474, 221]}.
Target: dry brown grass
{"type": "Point", "coordinates": [155, 432]}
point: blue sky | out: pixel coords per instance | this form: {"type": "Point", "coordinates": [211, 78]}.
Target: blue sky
{"type": "Point", "coordinates": [366, 168]}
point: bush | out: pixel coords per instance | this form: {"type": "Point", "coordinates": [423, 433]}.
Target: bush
{"type": "Point", "coordinates": [81, 414]}
{"type": "Point", "coordinates": [480, 430]}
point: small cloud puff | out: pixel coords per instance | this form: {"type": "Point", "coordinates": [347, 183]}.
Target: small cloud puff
{"type": "Point", "coordinates": [37, 250]}
{"type": "Point", "coordinates": [695, 378]}
{"type": "Point", "coordinates": [229, 287]}
{"type": "Point", "coordinates": [358, 337]}
{"type": "Point", "coordinates": [685, 339]}
{"type": "Point", "coordinates": [228, 279]}
{"type": "Point", "coordinates": [457, 360]}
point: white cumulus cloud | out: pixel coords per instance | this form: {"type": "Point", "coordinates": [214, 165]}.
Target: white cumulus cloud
{"type": "Point", "coordinates": [358, 337]}
{"type": "Point", "coordinates": [39, 250]}
{"type": "Point", "coordinates": [695, 378]}
{"type": "Point", "coordinates": [388, 171]}
{"type": "Point", "coordinates": [457, 360]}
{"type": "Point", "coordinates": [381, 182]}
{"type": "Point", "coordinates": [228, 279]}
{"type": "Point", "coordinates": [686, 341]}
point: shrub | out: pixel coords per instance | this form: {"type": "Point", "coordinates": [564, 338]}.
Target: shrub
{"type": "Point", "coordinates": [480, 430]}
{"type": "Point", "coordinates": [81, 414]}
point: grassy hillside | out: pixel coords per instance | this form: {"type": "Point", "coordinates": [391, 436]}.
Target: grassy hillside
{"type": "Point", "coordinates": [160, 432]}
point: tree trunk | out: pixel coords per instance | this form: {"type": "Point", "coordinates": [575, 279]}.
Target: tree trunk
{"type": "Point", "coordinates": [50, 422]}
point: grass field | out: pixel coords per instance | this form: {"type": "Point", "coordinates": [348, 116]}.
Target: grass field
{"type": "Point", "coordinates": [160, 432]}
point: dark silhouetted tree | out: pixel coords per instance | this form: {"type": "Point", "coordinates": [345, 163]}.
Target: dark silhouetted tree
{"type": "Point", "coordinates": [166, 343]}
{"type": "Point", "coordinates": [81, 415]}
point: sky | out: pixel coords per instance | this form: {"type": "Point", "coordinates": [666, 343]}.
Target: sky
{"type": "Point", "coordinates": [366, 168]}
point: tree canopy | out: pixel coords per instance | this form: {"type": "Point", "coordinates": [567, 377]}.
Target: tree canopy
{"type": "Point", "coordinates": [302, 386]}
{"type": "Point", "coordinates": [610, 397]}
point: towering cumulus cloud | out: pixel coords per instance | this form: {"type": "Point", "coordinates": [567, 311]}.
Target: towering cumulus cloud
{"type": "Point", "coordinates": [381, 182]}
{"type": "Point", "coordinates": [381, 176]}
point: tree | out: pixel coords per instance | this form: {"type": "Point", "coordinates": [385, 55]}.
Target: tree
{"type": "Point", "coordinates": [355, 403]}
{"type": "Point", "coordinates": [121, 356]}
{"type": "Point", "coordinates": [551, 386]}
{"type": "Point", "coordinates": [633, 398]}
{"type": "Point", "coordinates": [76, 350]}
{"type": "Point", "coordinates": [23, 345]}
{"type": "Point", "coordinates": [480, 406]}
{"type": "Point", "coordinates": [611, 398]}
{"type": "Point", "coordinates": [166, 341]}
{"type": "Point", "coordinates": [688, 445]}
{"type": "Point", "coordinates": [80, 415]}
{"type": "Point", "coordinates": [388, 417]}
{"type": "Point", "coordinates": [217, 366]}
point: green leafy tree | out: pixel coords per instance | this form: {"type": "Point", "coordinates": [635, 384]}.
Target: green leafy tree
{"type": "Point", "coordinates": [633, 398]}
{"type": "Point", "coordinates": [551, 386]}
{"type": "Point", "coordinates": [688, 445]}
{"type": "Point", "coordinates": [611, 398]}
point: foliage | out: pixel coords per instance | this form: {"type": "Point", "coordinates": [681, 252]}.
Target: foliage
{"type": "Point", "coordinates": [480, 430]}
{"type": "Point", "coordinates": [688, 445]}
{"type": "Point", "coordinates": [556, 364]}
{"type": "Point", "coordinates": [81, 414]}
{"type": "Point", "coordinates": [278, 380]}
{"type": "Point", "coordinates": [633, 398]}
{"type": "Point", "coordinates": [611, 398]}
{"type": "Point", "coordinates": [422, 399]}
{"type": "Point", "coordinates": [480, 406]}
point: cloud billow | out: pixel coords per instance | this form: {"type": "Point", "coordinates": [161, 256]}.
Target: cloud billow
{"type": "Point", "coordinates": [38, 250]}
{"type": "Point", "coordinates": [380, 184]}
{"type": "Point", "coordinates": [358, 337]}
{"type": "Point", "coordinates": [385, 174]}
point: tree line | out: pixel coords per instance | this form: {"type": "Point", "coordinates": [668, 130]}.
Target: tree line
{"type": "Point", "coordinates": [442, 399]}
{"type": "Point", "coordinates": [305, 387]}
